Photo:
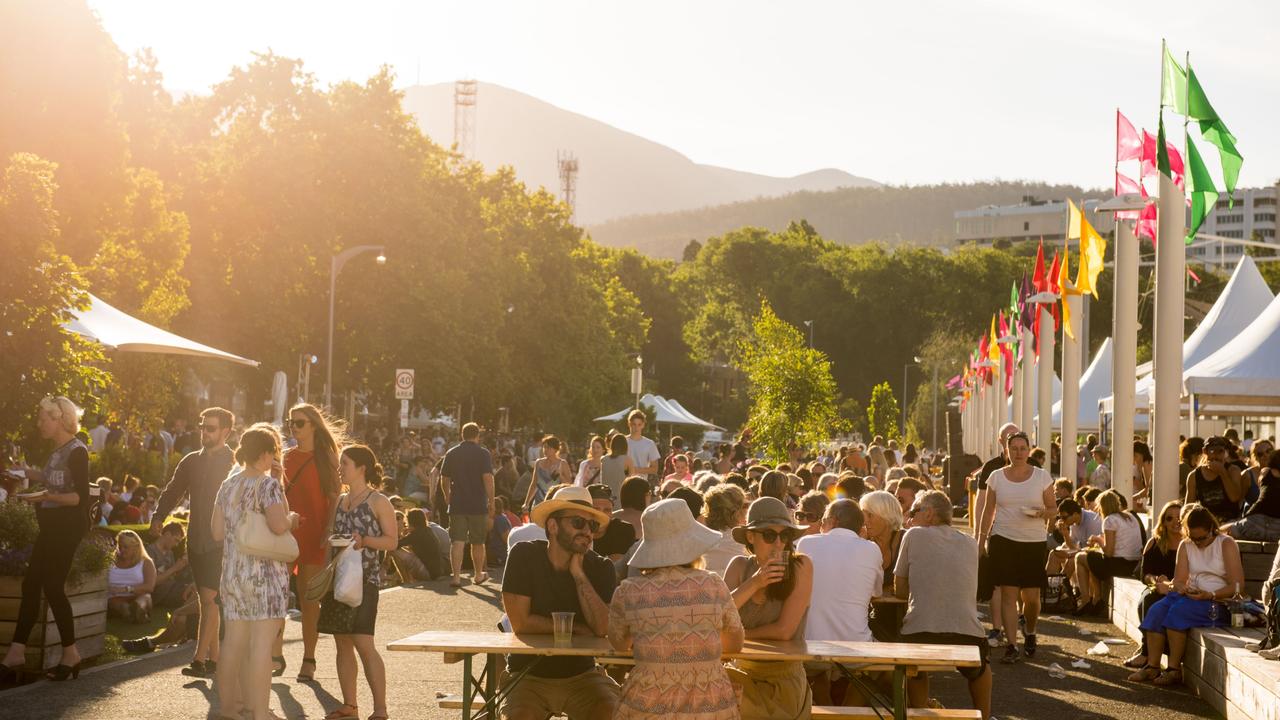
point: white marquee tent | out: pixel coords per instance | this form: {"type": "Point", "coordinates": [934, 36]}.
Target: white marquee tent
{"type": "Point", "coordinates": [1094, 384]}
{"type": "Point", "coordinates": [116, 330]}
{"type": "Point", "coordinates": [668, 411]}
{"type": "Point", "coordinates": [1243, 298]}
{"type": "Point", "coordinates": [1243, 373]}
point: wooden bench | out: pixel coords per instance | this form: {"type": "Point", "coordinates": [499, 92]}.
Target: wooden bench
{"type": "Point", "coordinates": [831, 712]}
{"type": "Point", "coordinates": [1237, 683]}
{"type": "Point", "coordinates": [828, 712]}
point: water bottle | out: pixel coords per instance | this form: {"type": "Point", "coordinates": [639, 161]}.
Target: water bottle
{"type": "Point", "coordinates": [1237, 608]}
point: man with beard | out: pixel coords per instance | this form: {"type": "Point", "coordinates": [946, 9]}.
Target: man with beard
{"type": "Point", "coordinates": [560, 574]}
{"type": "Point", "coordinates": [199, 475]}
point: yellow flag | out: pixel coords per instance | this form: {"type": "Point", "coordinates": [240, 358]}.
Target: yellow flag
{"type": "Point", "coordinates": [993, 349]}
{"type": "Point", "coordinates": [1066, 290]}
{"type": "Point", "coordinates": [1073, 220]}
{"type": "Point", "coordinates": [1093, 250]}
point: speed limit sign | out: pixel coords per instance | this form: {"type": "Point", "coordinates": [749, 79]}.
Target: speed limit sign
{"type": "Point", "coordinates": [404, 384]}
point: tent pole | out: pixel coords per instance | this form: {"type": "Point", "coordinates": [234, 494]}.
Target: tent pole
{"type": "Point", "coordinates": [1124, 360]}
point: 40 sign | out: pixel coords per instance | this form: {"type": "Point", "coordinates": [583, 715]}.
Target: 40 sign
{"type": "Point", "coordinates": [404, 384]}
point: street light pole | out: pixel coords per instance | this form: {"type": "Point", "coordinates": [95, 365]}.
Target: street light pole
{"type": "Point", "coordinates": [903, 430]}
{"type": "Point", "coordinates": [335, 266]}
{"type": "Point", "coordinates": [934, 441]}
{"type": "Point", "coordinates": [809, 324]}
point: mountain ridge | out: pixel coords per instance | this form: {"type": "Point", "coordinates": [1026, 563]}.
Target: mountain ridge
{"type": "Point", "coordinates": [621, 173]}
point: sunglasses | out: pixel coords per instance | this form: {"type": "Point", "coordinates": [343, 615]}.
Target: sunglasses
{"type": "Point", "coordinates": [808, 517]}
{"type": "Point", "coordinates": [577, 522]}
{"type": "Point", "coordinates": [298, 423]}
{"type": "Point", "coordinates": [772, 536]}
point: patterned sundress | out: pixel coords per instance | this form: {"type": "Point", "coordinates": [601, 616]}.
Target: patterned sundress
{"type": "Point", "coordinates": [253, 588]}
{"type": "Point", "coordinates": [675, 616]}
{"type": "Point", "coordinates": [361, 520]}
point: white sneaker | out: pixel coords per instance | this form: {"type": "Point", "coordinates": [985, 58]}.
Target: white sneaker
{"type": "Point", "coordinates": [1270, 654]}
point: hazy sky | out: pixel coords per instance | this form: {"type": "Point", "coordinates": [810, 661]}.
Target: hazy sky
{"type": "Point", "coordinates": [902, 92]}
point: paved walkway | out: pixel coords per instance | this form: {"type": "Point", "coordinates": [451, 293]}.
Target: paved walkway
{"type": "Point", "coordinates": [151, 687]}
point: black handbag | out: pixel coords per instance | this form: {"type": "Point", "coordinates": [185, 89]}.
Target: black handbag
{"type": "Point", "coordinates": [335, 618]}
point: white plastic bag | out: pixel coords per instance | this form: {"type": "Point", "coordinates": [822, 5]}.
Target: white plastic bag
{"type": "Point", "coordinates": [1099, 650]}
{"type": "Point", "coordinates": [348, 578]}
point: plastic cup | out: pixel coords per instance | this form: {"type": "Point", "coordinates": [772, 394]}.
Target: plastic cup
{"type": "Point", "coordinates": [562, 627]}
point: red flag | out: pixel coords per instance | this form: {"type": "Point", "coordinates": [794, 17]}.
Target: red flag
{"type": "Point", "coordinates": [1037, 278]}
{"type": "Point", "coordinates": [1128, 144]}
{"type": "Point", "coordinates": [1054, 270]}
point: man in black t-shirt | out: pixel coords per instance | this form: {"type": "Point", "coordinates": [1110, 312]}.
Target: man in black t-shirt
{"type": "Point", "coordinates": [560, 574]}
{"type": "Point", "coordinates": [615, 539]}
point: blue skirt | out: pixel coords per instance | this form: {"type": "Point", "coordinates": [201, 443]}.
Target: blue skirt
{"type": "Point", "coordinates": [1179, 612]}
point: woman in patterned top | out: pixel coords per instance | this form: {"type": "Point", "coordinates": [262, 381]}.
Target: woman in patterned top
{"type": "Point", "coordinates": [680, 620]}
{"type": "Point", "coordinates": [368, 517]}
{"type": "Point", "coordinates": [254, 591]}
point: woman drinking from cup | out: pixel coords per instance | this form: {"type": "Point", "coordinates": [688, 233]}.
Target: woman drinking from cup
{"type": "Point", "coordinates": [771, 587]}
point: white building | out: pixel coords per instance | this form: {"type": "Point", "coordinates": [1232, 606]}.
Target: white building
{"type": "Point", "coordinates": [1252, 218]}
{"type": "Point", "coordinates": [1030, 220]}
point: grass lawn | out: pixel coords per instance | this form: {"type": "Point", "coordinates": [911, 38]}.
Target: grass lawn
{"type": "Point", "coordinates": [119, 629]}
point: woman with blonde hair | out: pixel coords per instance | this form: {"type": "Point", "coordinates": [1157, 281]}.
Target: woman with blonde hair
{"type": "Point", "coordinates": [130, 579]}
{"type": "Point", "coordinates": [882, 524]}
{"type": "Point", "coordinates": [725, 508]}
{"type": "Point", "coordinates": [879, 466]}
{"type": "Point", "coordinates": [1159, 564]}
{"type": "Point", "coordinates": [311, 485]}
{"type": "Point", "coordinates": [62, 511]}
{"type": "Point", "coordinates": [254, 591]}
{"type": "Point", "coordinates": [1120, 551]}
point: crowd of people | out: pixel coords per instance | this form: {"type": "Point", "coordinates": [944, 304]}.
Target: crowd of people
{"type": "Point", "coordinates": [678, 556]}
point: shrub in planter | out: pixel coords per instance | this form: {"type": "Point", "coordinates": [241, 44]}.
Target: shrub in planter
{"type": "Point", "coordinates": [18, 530]}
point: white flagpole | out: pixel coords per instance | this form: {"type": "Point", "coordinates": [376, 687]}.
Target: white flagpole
{"type": "Point", "coordinates": [1166, 407]}
{"type": "Point", "coordinates": [1028, 379]}
{"type": "Point", "coordinates": [1070, 387]}
{"type": "Point", "coordinates": [1124, 359]}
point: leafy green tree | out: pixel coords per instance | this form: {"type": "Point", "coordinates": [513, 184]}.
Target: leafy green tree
{"type": "Point", "coordinates": [793, 396]}
{"type": "Point", "coordinates": [882, 412]}
{"type": "Point", "coordinates": [38, 290]}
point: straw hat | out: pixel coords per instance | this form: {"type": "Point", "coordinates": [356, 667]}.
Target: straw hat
{"type": "Point", "coordinates": [765, 512]}
{"type": "Point", "coordinates": [568, 498]}
{"type": "Point", "coordinates": [671, 536]}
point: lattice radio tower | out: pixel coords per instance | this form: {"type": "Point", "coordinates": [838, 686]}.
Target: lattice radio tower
{"type": "Point", "coordinates": [464, 118]}
{"type": "Point", "coordinates": [568, 165]}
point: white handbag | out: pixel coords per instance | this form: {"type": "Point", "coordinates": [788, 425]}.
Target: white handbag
{"type": "Point", "coordinates": [348, 578]}
{"type": "Point", "coordinates": [254, 537]}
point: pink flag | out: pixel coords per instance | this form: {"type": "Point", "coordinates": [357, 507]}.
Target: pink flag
{"type": "Point", "coordinates": [1147, 222]}
{"type": "Point", "coordinates": [1149, 159]}
{"type": "Point", "coordinates": [1193, 276]}
{"type": "Point", "coordinates": [1127, 185]}
{"type": "Point", "coordinates": [1128, 144]}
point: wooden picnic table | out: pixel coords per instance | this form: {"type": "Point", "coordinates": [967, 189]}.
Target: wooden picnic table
{"type": "Point", "coordinates": [900, 658]}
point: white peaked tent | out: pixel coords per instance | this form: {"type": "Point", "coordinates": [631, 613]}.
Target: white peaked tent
{"type": "Point", "coordinates": [116, 330]}
{"type": "Point", "coordinates": [1243, 373]}
{"type": "Point", "coordinates": [668, 411]}
{"type": "Point", "coordinates": [1245, 295]}
{"type": "Point", "coordinates": [1094, 383]}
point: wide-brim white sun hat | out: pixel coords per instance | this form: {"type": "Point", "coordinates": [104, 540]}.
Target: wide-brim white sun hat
{"type": "Point", "coordinates": [672, 536]}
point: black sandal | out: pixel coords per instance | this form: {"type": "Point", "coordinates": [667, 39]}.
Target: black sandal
{"type": "Point", "coordinates": [307, 677]}
{"type": "Point", "coordinates": [280, 665]}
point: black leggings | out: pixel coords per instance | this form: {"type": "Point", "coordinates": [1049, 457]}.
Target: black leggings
{"type": "Point", "coordinates": [60, 533]}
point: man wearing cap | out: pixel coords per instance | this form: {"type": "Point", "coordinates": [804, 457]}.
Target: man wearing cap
{"type": "Point", "coordinates": [1217, 483]}
{"type": "Point", "coordinates": [560, 574]}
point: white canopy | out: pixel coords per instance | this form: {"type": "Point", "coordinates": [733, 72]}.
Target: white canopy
{"type": "Point", "coordinates": [668, 411]}
{"type": "Point", "coordinates": [119, 331]}
{"type": "Point", "coordinates": [1244, 372]}
{"type": "Point", "coordinates": [1035, 397]}
{"type": "Point", "coordinates": [1094, 383]}
{"type": "Point", "coordinates": [1241, 300]}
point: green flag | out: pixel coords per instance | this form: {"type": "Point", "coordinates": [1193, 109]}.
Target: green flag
{"type": "Point", "coordinates": [1173, 84]}
{"type": "Point", "coordinates": [1162, 151]}
{"type": "Point", "coordinates": [1215, 132]}
{"type": "Point", "coordinates": [1203, 193]}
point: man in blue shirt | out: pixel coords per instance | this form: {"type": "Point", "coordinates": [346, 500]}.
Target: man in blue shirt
{"type": "Point", "coordinates": [466, 478]}
{"type": "Point", "coordinates": [1076, 526]}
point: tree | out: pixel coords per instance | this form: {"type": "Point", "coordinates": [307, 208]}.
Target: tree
{"type": "Point", "coordinates": [691, 251]}
{"type": "Point", "coordinates": [38, 290]}
{"type": "Point", "coordinates": [793, 396]}
{"type": "Point", "coordinates": [882, 412]}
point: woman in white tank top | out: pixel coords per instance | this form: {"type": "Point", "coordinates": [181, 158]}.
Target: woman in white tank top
{"type": "Point", "coordinates": [1208, 572]}
{"type": "Point", "coordinates": [1013, 532]}
{"type": "Point", "coordinates": [130, 579]}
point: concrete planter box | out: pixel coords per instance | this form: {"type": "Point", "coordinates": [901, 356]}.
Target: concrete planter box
{"type": "Point", "coordinates": [44, 646]}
